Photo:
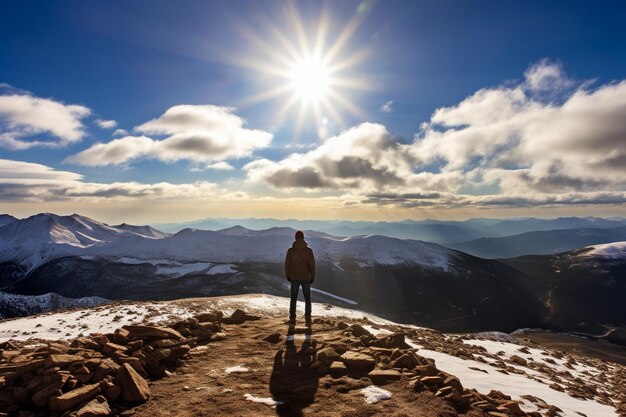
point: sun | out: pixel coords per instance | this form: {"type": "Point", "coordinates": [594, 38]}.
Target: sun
{"type": "Point", "coordinates": [309, 70]}
{"type": "Point", "coordinates": [310, 79]}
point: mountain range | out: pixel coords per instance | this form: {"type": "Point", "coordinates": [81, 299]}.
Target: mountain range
{"type": "Point", "coordinates": [437, 231]}
{"type": "Point", "coordinates": [404, 280]}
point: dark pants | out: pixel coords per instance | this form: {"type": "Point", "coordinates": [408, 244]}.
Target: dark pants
{"type": "Point", "coordinates": [306, 291]}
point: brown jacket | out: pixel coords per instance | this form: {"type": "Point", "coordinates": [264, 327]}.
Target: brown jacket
{"type": "Point", "coordinates": [300, 262]}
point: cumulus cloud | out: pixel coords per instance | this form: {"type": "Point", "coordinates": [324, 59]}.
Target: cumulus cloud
{"type": "Point", "coordinates": [105, 124]}
{"type": "Point", "coordinates": [27, 121]}
{"type": "Point", "coordinates": [524, 143]}
{"type": "Point", "coordinates": [120, 132]}
{"type": "Point", "coordinates": [387, 107]}
{"type": "Point", "coordinates": [540, 141]}
{"type": "Point", "coordinates": [546, 76]}
{"type": "Point", "coordinates": [198, 133]}
{"type": "Point", "coordinates": [26, 181]}
{"type": "Point", "coordinates": [366, 156]}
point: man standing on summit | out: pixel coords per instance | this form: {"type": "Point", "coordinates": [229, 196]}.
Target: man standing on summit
{"type": "Point", "coordinates": [300, 271]}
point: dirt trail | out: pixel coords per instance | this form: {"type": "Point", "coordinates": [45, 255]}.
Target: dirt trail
{"type": "Point", "coordinates": [201, 387]}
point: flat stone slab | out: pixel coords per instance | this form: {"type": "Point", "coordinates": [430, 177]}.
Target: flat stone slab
{"type": "Point", "coordinates": [384, 376]}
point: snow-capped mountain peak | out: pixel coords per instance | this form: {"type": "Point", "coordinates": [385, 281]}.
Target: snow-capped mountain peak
{"type": "Point", "coordinates": [612, 250]}
{"type": "Point", "coordinates": [40, 238]}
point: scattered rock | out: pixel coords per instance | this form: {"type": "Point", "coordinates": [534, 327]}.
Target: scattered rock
{"type": "Point", "coordinates": [358, 330]}
{"type": "Point", "coordinates": [142, 332]}
{"type": "Point", "coordinates": [358, 362]}
{"type": "Point", "coordinates": [72, 398]}
{"type": "Point", "coordinates": [62, 360]}
{"type": "Point", "coordinates": [338, 369]}
{"type": "Point", "coordinates": [94, 408]}
{"type": "Point", "coordinates": [238, 317]}
{"type": "Point", "coordinates": [518, 360]}
{"type": "Point", "coordinates": [133, 387]}
{"type": "Point", "coordinates": [384, 376]}
{"type": "Point", "coordinates": [406, 361]}
{"type": "Point", "coordinates": [273, 338]}
{"type": "Point", "coordinates": [327, 355]}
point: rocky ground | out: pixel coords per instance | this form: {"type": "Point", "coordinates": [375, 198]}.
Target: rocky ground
{"type": "Point", "coordinates": [212, 360]}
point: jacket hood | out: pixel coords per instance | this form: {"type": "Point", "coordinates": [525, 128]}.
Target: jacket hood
{"type": "Point", "coordinates": [299, 244]}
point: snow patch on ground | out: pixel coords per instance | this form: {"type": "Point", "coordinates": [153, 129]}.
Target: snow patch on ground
{"type": "Point", "coordinates": [345, 300]}
{"type": "Point", "coordinates": [236, 369]}
{"type": "Point", "coordinates": [338, 267]}
{"type": "Point", "coordinates": [374, 394]}
{"type": "Point", "coordinates": [510, 349]}
{"type": "Point", "coordinates": [183, 269]}
{"type": "Point", "coordinates": [138, 261]}
{"type": "Point", "coordinates": [263, 400]}
{"type": "Point", "coordinates": [607, 250]}
{"type": "Point", "coordinates": [222, 269]}
{"type": "Point", "coordinates": [512, 384]}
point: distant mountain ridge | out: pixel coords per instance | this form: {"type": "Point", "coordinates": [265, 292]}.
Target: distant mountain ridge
{"type": "Point", "coordinates": [539, 242]}
{"type": "Point", "coordinates": [437, 231]}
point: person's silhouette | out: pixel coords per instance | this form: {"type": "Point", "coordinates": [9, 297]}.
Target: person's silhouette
{"type": "Point", "coordinates": [293, 382]}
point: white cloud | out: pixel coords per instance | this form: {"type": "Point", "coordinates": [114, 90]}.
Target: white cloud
{"type": "Point", "coordinates": [105, 124]}
{"type": "Point", "coordinates": [198, 133]}
{"type": "Point", "coordinates": [120, 132]}
{"type": "Point", "coordinates": [220, 166]}
{"type": "Point", "coordinates": [116, 152]}
{"type": "Point", "coordinates": [26, 181]}
{"type": "Point", "coordinates": [546, 76]}
{"type": "Point", "coordinates": [524, 143]}
{"type": "Point", "coordinates": [366, 156]}
{"type": "Point", "coordinates": [27, 121]}
{"type": "Point", "coordinates": [10, 169]}
{"type": "Point", "coordinates": [541, 141]}
{"type": "Point", "coordinates": [387, 107]}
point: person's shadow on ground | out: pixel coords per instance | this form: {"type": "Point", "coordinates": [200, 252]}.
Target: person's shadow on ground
{"type": "Point", "coordinates": [293, 382]}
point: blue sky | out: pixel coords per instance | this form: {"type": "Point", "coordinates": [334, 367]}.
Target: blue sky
{"type": "Point", "coordinates": [130, 62]}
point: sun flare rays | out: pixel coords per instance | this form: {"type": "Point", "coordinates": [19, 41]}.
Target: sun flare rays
{"type": "Point", "coordinates": [308, 70]}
